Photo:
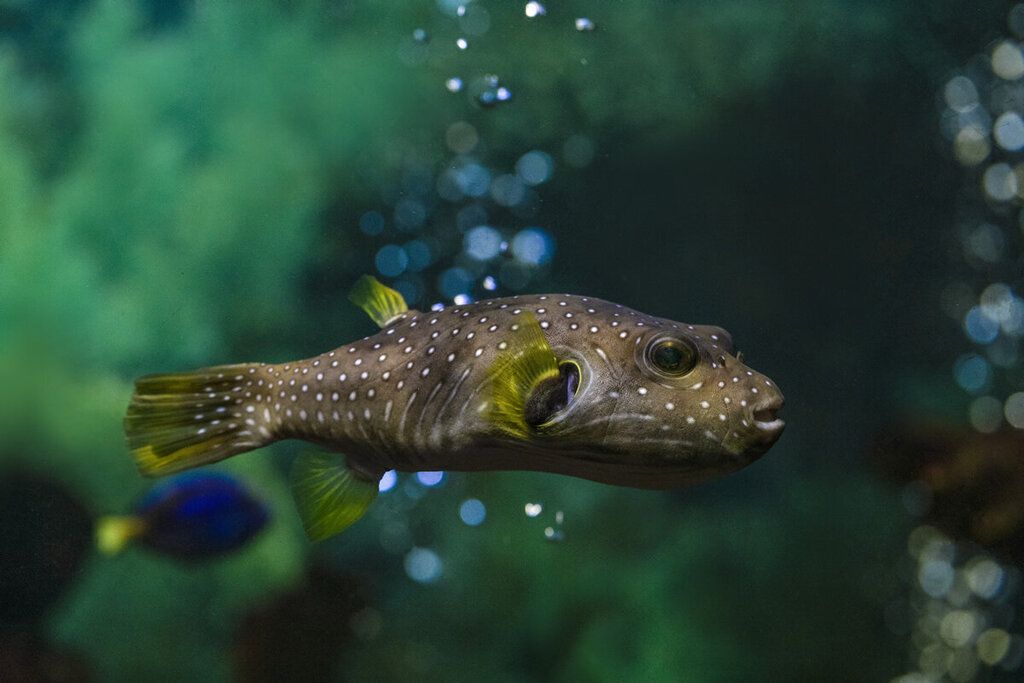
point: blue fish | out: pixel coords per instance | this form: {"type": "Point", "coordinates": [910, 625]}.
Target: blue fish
{"type": "Point", "coordinates": [195, 516]}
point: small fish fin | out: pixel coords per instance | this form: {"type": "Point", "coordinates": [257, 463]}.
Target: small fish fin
{"type": "Point", "coordinates": [113, 533]}
{"type": "Point", "coordinates": [383, 304]}
{"type": "Point", "coordinates": [179, 421]}
{"type": "Point", "coordinates": [329, 495]}
{"type": "Point", "coordinates": [516, 373]}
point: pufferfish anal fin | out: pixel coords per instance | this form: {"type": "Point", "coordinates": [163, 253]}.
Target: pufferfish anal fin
{"type": "Point", "coordinates": [516, 373]}
{"type": "Point", "coordinates": [330, 496]}
{"type": "Point", "coordinates": [383, 304]}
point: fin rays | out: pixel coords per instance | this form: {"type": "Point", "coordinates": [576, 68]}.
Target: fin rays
{"type": "Point", "coordinates": [329, 495]}
{"type": "Point", "coordinates": [383, 304]}
{"type": "Point", "coordinates": [179, 421]}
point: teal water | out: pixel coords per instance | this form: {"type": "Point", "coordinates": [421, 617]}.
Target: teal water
{"type": "Point", "coordinates": [835, 183]}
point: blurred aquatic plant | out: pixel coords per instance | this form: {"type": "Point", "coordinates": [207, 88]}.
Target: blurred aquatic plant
{"type": "Point", "coordinates": [176, 191]}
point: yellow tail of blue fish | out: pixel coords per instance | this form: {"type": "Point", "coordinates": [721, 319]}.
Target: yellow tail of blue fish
{"type": "Point", "coordinates": [179, 421]}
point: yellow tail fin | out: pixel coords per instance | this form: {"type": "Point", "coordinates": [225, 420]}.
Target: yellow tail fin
{"type": "Point", "coordinates": [179, 421]}
{"type": "Point", "coordinates": [114, 533]}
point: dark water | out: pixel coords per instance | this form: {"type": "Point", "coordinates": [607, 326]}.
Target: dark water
{"type": "Point", "coordinates": [836, 183]}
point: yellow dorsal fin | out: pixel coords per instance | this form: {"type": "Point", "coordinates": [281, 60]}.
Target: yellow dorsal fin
{"type": "Point", "coordinates": [516, 372]}
{"type": "Point", "coordinates": [383, 304]}
{"type": "Point", "coordinates": [329, 495]}
{"type": "Point", "coordinates": [114, 533]}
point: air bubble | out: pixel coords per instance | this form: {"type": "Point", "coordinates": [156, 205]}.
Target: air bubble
{"type": "Point", "coordinates": [534, 9]}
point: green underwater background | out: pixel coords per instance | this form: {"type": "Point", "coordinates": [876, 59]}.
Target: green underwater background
{"type": "Point", "coordinates": [185, 184]}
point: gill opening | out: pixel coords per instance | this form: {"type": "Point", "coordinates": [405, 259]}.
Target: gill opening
{"type": "Point", "coordinates": [554, 395]}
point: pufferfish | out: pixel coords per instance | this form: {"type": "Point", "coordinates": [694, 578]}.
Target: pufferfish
{"type": "Point", "coordinates": [551, 382]}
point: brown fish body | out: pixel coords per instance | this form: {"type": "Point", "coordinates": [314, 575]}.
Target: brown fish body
{"type": "Point", "coordinates": [412, 397]}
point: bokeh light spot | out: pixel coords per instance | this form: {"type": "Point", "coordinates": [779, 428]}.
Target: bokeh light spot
{"type": "Point", "coordinates": [986, 414]}
{"type": "Point", "coordinates": [387, 481]}
{"type": "Point", "coordinates": [423, 565]}
{"type": "Point", "coordinates": [472, 512]}
{"type": "Point", "coordinates": [1000, 182]}
{"type": "Point", "coordinates": [1014, 410]}
{"type": "Point", "coordinates": [1007, 61]}
{"type": "Point", "coordinates": [533, 246]}
{"type": "Point", "coordinates": [391, 260]}
{"type": "Point", "coordinates": [430, 479]}
{"type": "Point", "coordinates": [535, 167]}
{"type": "Point", "coordinates": [461, 137]}
{"type": "Point", "coordinates": [371, 223]}
{"type": "Point", "coordinates": [972, 372]}
{"type": "Point", "coordinates": [1008, 131]}
{"type": "Point", "coordinates": [980, 328]}
{"type": "Point", "coordinates": [482, 243]}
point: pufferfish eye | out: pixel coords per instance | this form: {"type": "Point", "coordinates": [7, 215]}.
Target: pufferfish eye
{"type": "Point", "coordinates": [673, 357]}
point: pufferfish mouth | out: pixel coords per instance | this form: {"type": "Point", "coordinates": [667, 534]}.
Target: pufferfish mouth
{"type": "Point", "coordinates": [766, 416]}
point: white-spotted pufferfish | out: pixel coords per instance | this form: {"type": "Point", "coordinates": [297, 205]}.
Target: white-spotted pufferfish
{"type": "Point", "coordinates": [551, 382]}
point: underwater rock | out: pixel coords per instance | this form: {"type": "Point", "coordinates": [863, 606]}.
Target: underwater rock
{"type": "Point", "coordinates": [301, 635]}
{"type": "Point", "coordinates": [973, 483]}
{"type": "Point", "coordinates": [28, 659]}
{"type": "Point", "coordinates": [47, 533]}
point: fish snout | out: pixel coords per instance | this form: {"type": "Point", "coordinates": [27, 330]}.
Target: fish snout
{"type": "Point", "coordinates": [764, 417]}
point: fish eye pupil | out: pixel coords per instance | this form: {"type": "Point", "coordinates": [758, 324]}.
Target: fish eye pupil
{"type": "Point", "coordinates": [673, 357]}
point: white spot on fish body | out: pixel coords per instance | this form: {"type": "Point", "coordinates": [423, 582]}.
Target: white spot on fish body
{"type": "Point", "coordinates": [642, 391]}
{"type": "Point", "coordinates": [705, 405]}
{"type": "Point", "coordinates": [670, 406]}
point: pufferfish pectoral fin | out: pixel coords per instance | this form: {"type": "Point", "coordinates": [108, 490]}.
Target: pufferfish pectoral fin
{"type": "Point", "coordinates": [383, 304]}
{"type": "Point", "coordinates": [527, 364]}
{"type": "Point", "coordinates": [330, 496]}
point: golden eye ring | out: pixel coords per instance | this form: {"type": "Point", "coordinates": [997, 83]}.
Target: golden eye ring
{"type": "Point", "coordinates": [671, 356]}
